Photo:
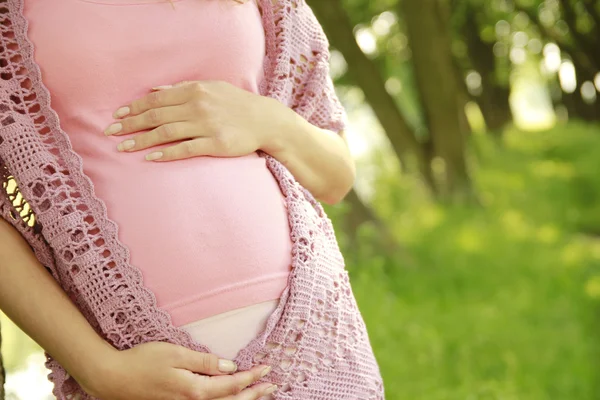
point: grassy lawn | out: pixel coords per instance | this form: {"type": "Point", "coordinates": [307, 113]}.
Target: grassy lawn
{"type": "Point", "coordinates": [503, 300]}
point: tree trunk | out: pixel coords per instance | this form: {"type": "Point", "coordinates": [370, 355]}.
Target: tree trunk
{"type": "Point", "coordinates": [359, 215]}
{"type": "Point", "coordinates": [495, 107]}
{"type": "Point", "coordinates": [366, 75]}
{"type": "Point", "coordinates": [2, 373]}
{"type": "Point", "coordinates": [429, 38]}
{"type": "Point", "coordinates": [494, 100]}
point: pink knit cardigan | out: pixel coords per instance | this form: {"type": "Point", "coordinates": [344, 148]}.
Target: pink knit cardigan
{"type": "Point", "coordinates": [316, 340]}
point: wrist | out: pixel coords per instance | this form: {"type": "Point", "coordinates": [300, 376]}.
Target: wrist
{"type": "Point", "coordinates": [279, 123]}
{"type": "Point", "coordinates": [99, 366]}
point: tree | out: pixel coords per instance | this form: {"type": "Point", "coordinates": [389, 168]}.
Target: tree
{"type": "Point", "coordinates": [360, 214]}
{"type": "Point", "coordinates": [494, 98]}
{"type": "Point", "coordinates": [366, 75]}
{"type": "Point", "coordinates": [578, 43]}
{"type": "Point", "coordinates": [427, 23]}
{"type": "Point", "coordinates": [364, 72]}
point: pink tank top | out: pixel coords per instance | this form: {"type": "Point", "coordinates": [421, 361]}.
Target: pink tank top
{"type": "Point", "coordinates": [210, 234]}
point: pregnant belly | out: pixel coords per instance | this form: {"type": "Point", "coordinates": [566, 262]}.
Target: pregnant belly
{"type": "Point", "coordinates": [210, 235]}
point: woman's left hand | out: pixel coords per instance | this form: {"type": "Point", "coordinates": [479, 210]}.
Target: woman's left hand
{"type": "Point", "coordinates": [204, 118]}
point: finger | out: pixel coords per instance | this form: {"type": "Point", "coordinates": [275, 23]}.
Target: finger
{"type": "Point", "coordinates": [178, 84]}
{"type": "Point", "coordinates": [255, 392]}
{"type": "Point", "coordinates": [205, 363]}
{"type": "Point", "coordinates": [148, 120]}
{"type": "Point", "coordinates": [187, 149]}
{"type": "Point", "coordinates": [165, 97]}
{"type": "Point", "coordinates": [164, 134]}
{"type": "Point", "coordinates": [232, 385]}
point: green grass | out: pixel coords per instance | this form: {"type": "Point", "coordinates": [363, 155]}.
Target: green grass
{"type": "Point", "coordinates": [503, 300]}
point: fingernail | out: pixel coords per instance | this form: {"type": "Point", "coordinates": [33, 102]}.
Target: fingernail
{"type": "Point", "coordinates": [227, 366]}
{"type": "Point", "coordinates": [121, 112]}
{"type": "Point", "coordinates": [265, 372]}
{"type": "Point", "coordinates": [114, 128]}
{"type": "Point", "coordinates": [162, 87]}
{"type": "Point", "coordinates": [271, 389]}
{"type": "Point", "coordinates": [154, 156]}
{"type": "Point", "coordinates": [126, 145]}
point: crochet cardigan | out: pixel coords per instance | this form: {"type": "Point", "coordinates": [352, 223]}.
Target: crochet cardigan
{"type": "Point", "coordinates": [316, 339]}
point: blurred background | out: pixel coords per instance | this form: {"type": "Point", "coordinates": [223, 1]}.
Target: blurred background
{"type": "Point", "coordinates": [473, 233]}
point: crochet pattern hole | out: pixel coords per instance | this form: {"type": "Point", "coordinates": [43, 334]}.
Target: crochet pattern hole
{"type": "Point", "coordinates": [285, 364]}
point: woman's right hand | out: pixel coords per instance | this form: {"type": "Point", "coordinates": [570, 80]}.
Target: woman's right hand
{"type": "Point", "coordinates": [163, 371]}
{"type": "Point", "coordinates": [153, 371]}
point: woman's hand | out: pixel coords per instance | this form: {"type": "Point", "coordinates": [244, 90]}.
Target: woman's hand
{"type": "Point", "coordinates": [206, 118]}
{"type": "Point", "coordinates": [220, 120]}
{"type": "Point", "coordinates": [163, 371]}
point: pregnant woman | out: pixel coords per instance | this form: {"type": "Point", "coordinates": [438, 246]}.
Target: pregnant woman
{"type": "Point", "coordinates": [161, 160]}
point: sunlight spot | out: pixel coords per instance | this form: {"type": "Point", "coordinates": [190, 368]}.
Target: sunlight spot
{"type": "Point", "coordinates": [430, 217]}
{"type": "Point", "coordinates": [520, 39]}
{"type": "Point", "coordinates": [500, 50]}
{"type": "Point", "coordinates": [595, 250]}
{"type": "Point", "coordinates": [30, 382]}
{"type": "Point", "coordinates": [366, 40]}
{"type": "Point", "coordinates": [393, 86]}
{"type": "Point", "coordinates": [469, 240]}
{"type": "Point", "coordinates": [383, 23]}
{"type": "Point", "coordinates": [502, 28]}
{"type": "Point", "coordinates": [552, 58]}
{"type": "Point", "coordinates": [547, 16]}
{"type": "Point", "coordinates": [592, 287]}
{"type": "Point", "coordinates": [338, 64]}
{"type": "Point", "coordinates": [597, 81]}
{"type": "Point", "coordinates": [588, 92]}
{"type": "Point", "coordinates": [518, 55]}
{"type": "Point", "coordinates": [548, 234]}
{"type": "Point", "coordinates": [475, 117]}
{"type": "Point", "coordinates": [535, 46]}
{"type": "Point", "coordinates": [573, 254]}
{"type": "Point", "coordinates": [552, 169]}
{"type": "Point", "coordinates": [473, 81]}
{"type": "Point", "coordinates": [514, 222]}
{"type": "Point", "coordinates": [567, 77]}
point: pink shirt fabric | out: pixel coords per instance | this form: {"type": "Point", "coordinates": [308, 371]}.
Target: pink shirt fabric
{"type": "Point", "coordinates": [225, 244]}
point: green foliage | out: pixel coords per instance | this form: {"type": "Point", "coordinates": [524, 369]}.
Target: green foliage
{"type": "Point", "coordinates": [503, 300]}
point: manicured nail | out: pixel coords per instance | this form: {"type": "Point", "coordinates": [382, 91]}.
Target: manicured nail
{"type": "Point", "coordinates": [271, 389]}
{"type": "Point", "coordinates": [154, 156]}
{"type": "Point", "coordinates": [126, 145]}
{"type": "Point", "coordinates": [227, 366]}
{"type": "Point", "coordinates": [114, 128]}
{"type": "Point", "coordinates": [162, 87]}
{"type": "Point", "coordinates": [265, 372]}
{"type": "Point", "coordinates": [121, 112]}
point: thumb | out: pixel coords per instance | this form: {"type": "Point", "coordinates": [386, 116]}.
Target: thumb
{"type": "Point", "coordinates": [206, 364]}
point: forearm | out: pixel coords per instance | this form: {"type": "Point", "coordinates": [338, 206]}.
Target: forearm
{"type": "Point", "coordinates": [36, 303]}
{"type": "Point", "coordinates": [319, 159]}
